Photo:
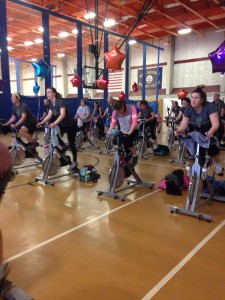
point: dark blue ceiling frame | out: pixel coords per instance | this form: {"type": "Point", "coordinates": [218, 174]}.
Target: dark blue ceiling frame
{"type": "Point", "coordinates": [46, 44]}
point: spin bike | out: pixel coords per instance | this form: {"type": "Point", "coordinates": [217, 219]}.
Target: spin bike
{"type": "Point", "coordinates": [144, 140]}
{"type": "Point", "coordinates": [109, 141]}
{"type": "Point", "coordinates": [196, 197]}
{"type": "Point", "coordinates": [54, 158]}
{"type": "Point", "coordinates": [81, 137]}
{"type": "Point", "coordinates": [121, 169]}
{"type": "Point", "coordinates": [20, 151]}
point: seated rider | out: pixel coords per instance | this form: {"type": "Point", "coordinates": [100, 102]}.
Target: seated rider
{"type": "Point", "coordinates": [201, 116]}
{"type": "Point", "coordinates": [126, 116]}
{"type": "Point", "coordinates": [150, 120]}
{"type": "Point", "coordinates": [23, 119]}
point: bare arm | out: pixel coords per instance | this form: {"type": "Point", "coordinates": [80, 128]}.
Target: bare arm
{"type": "Point", "coordinates": [60, 117]}
{"type": "Point", "coordinates": [48, 117]}
{"type": "Point", "coordinates": [215, 124]}
{"type": "Point", "coordinates": [183, 126]}
{"type": "Point", "coordinates": [21, 120]}
{"type": "Point", "coordinates": [10, 121]}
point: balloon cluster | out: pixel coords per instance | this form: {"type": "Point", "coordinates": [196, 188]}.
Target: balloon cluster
{"type": "Point", "coordinates": [114, 59]}
{"type": "Point", "coordinates": [36, 88]}
{"type": "Point", "coordinates": [76, 81]}
{"type": "Point", "coordinates": [122, 96]}
{"type": "Point", "coordinates": [217, 58]}
{"type": "Point", "coordinates": [135, 87]}
{"type": "Point", "coordinates": [182, 94]}
{"type": "Point", "coordinates": [41, 68]}
{"type": "Point", "coordinates": [102, 83]}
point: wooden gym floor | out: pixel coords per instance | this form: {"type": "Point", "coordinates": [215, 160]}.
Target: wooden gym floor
{"type": "Point", "coordinates": [65, 242]}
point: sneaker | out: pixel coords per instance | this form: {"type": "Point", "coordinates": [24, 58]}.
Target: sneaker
{"type": "Point", "coordinates": [134, 160]}
{"type": "Point", "coordinates": [73, 168]}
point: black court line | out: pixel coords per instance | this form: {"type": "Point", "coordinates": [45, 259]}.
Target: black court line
{"type": "Point", "coordinates": [22, 184]}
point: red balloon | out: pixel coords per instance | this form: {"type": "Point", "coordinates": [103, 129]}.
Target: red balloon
{"type": "Point", "coordinates": [114, 59]}
{"type": "Point", "coordinates": [76, 81]}
{"type": "Point", "coordinates": [182, 94]}
{"type": "Point", "coordinates": [102, 83]}
{"type": "Point", "coordinates": [135, 87]}
{"type": "Point", "coordinates": [122, 96]}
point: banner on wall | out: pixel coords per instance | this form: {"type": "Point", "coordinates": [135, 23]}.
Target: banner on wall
{"type": "Point", "coordinates": [151, 77]}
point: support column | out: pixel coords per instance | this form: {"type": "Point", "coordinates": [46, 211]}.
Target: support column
{"type": "Point", "coordinates": [106, 73]}
{"type": "Point", "coordinates": [144, 73]}
{"type": "Point", "coordinates": [170, 66]}
{"type": "Point", "coordinates": [46, 47]}
{"type": "Point", "coordinates": [65, 77]}
{"type": "Point", "coordinates": [79, 59]}
{"type": "Point", "coordinates": [127, 70]}
{"type": "Point", "coordinates": [5, 98]}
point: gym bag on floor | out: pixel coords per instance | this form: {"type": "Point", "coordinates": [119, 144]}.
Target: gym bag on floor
{"type": "Point", "coordinates": [162, 150]}
{"type": "Point", "coordinates": [88, 173]}
{"type": "Point", "coordinates": [175, 182]}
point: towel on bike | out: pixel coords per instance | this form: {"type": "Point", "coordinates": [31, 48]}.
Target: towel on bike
{"type": "Point", "coordinates": [199, 138]}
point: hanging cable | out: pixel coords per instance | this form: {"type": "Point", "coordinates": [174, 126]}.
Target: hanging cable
{"type": "Point", "coordinates": [103, 28]}
{"type": "Point", "coordinates": [147, 6]}
{"type": "Point", "coordinates": [92, 40]}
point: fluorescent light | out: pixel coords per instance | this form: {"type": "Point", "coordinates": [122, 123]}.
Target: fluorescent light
{"type": "Point", "coordinates": [132, 42]}
{"type": "Point", "coordinates": [10, 48]}
{"type": "Point", "coordinates": [28, 43]}
{"type": "Point", "coordinates": [74, 31]}
{"type": "Point", "coordinates": [41, 29]}
{"type": "Point", "coordinates": [33, 59]}
{"type": "Point", "coordinates": [38, 41]}
{"type": "Point", "coordinates": [184, 31]}
{"type": "Point", "coordinates": [61, 54]}
{"type": "Point", "coordinates": [109, 23]}
{"type": "Point", "coordinates": [90, 15]}
{"type": "Point", "coordinates": [9, 38]}
{"type": "Point", "coordinates": [63, 34]}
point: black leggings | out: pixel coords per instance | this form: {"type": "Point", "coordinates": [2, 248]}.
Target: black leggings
{"type": "Point", "coordinates": [71, 136]}
{"type": "Point", "coordinates": [128, 141]}
{"type": "Point", "coordinates": [150, 126]}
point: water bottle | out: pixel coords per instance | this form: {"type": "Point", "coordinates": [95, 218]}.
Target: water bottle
{"type": "Point", "coordinates": [188, 169]}
{"type": "Point", "coordinates": [204, 172]}
{"type": "Point", "coordinates": [46, 149]}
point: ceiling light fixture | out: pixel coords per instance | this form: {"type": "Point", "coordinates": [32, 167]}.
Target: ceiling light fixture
{"type": "Point", "coordinates": [28, 43]}
{"type": "Point", "coordinates": [38, 41]}
{"type": "Point", "coordinates": [10, 48]}
{"type": "Point", "coordinates": [33, 59]}
{"type": "Point", "coordinates": [90, 15]}
{"type": "Point", "coordinates": [61, 54]}
{"type": "Point", "coordinates": [41, 29]}
{"type": "Point", "coordinates": [9, 38]}
{"type": "Point", "coordinates": [109, 23]}
{"type": "Point", "coordinates": [74, 31]}
{"type": "Point", "coordinates": [63, 34]}
{"type": "Point", "coordinates": [132, 42]}
{"type": "Point", "coordinates": [184, 31]}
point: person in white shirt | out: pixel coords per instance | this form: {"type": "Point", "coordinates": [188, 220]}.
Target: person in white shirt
{"type": "Point", "coordinates": [83, 117]}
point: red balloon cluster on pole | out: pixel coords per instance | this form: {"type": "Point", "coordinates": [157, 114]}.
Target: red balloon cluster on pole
{"type": "Point", "coordinates": [122, 96]}
{"type": "Point", "coordinates": [102, 83]}
{"type": "Point", "coordinates": [182, 94]}
{"type": "Point", "coordinates": [114, 59]}
{"type": "Point", "coordinates": [135, 87]}
{"type": "Point", "coordinates": [76, 81]}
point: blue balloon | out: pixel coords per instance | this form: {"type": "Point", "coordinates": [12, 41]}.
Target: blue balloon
{"type": "Point", "coordinates": [217, 58]}
{"type": "Point", "coordinates": [41, 68]}
{"type": "Point", "coordinates": [36, 88]}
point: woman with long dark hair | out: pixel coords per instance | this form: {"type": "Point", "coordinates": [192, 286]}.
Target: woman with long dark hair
{"type": "Point", "coordinates": [58, 115]}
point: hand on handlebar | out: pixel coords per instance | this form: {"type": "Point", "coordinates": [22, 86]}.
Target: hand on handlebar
{"type": "Point", "coordinates": [208, 134]}
{"type": "Point", "coordinates": [178, 133]}
{"type": "Point", "coordinates": [13, 126]}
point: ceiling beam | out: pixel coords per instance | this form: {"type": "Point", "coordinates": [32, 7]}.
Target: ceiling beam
{"type": "Point", "coordinates": [187, 6]}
